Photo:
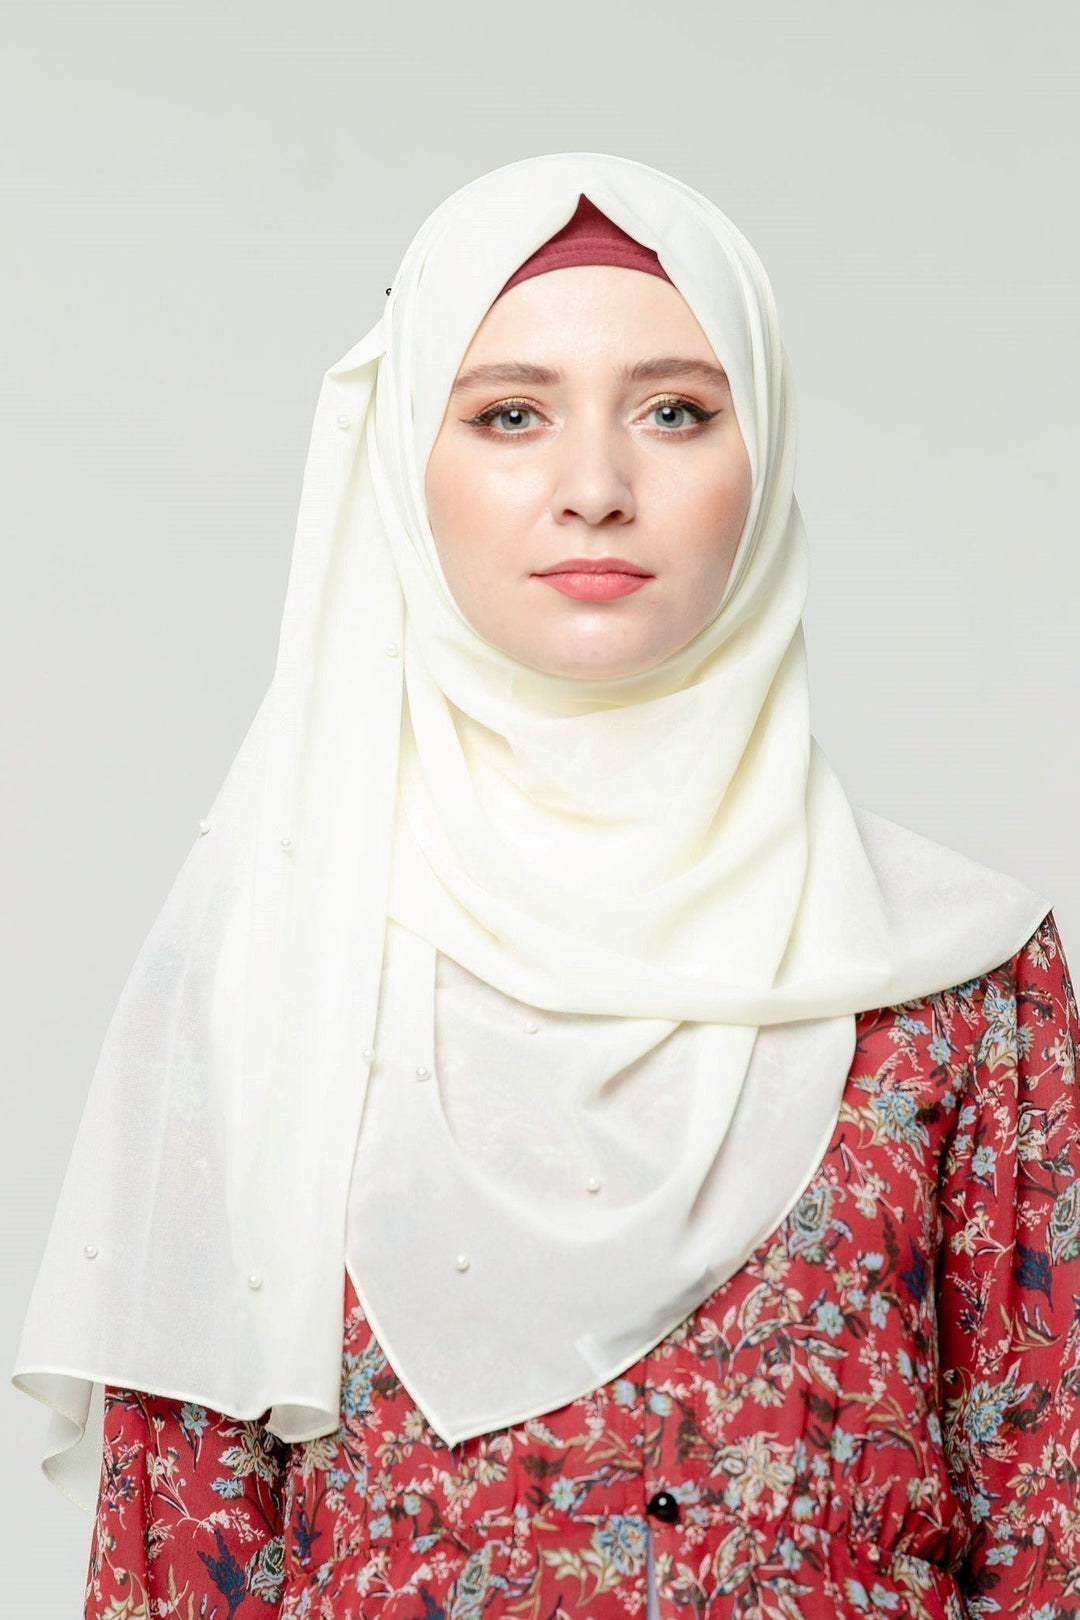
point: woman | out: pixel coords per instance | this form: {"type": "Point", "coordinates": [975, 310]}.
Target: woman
{"type": "Point", "coordinates": [698, 1151]}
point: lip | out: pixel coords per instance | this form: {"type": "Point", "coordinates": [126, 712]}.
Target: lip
{"type": "Point", "coordinates": [594, 565]}
{"type": "Point", "coordinates": [595, 587]}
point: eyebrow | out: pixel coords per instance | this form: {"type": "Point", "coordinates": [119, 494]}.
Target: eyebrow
{"type": "Point", "coordinates": [523, 371]}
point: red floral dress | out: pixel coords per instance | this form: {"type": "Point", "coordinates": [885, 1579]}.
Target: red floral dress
{"type": "Point", "coordinates": [878, 1416]}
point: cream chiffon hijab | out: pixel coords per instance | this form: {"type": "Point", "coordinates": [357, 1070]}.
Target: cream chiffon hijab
{"type": "Point", "coordinates": [668, 852]}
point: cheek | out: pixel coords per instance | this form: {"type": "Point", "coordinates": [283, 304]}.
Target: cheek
{"type": "Point", "coordinates": [729, 504]}
{"type": "Point", "coordinates": [477, 503]}
{"type": "Point", "coordinates": [445, 491]}
{"type": "Point", "coordinates": [713, 508]}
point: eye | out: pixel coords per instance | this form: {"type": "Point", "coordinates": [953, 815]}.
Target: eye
{"type": "Point", "coordinates": [511, 416]}
{"type": "Point", "coordinates": [514, 416]}
{"type": "Point", "coordinates": [670, 415]}
{"type": "Point", "coordinates": [674, 414]}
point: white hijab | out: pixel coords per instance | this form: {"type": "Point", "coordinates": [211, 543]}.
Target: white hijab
{"type": "Point", "coordinates": [402, 766]}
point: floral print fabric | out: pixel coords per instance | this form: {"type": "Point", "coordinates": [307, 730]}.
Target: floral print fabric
{"type": "Point", "coordinates": [877, 1416]}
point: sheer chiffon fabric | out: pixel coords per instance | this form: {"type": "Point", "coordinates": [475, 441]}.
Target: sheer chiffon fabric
{"type": "Point", "coordinates": [875, 1416]}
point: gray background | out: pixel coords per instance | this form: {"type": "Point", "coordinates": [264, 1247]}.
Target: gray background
{"type": "Point", "coordinates": [202, 206]}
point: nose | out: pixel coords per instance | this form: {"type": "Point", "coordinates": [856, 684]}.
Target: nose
{"type": "Point", "coordinates": [593, 480]}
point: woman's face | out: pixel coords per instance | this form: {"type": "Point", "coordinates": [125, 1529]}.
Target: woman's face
{"type": "Point", "coordinates": [590, 418]}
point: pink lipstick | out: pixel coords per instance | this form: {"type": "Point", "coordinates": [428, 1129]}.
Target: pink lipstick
{"type": "Point", "coordinates": [595, 579]}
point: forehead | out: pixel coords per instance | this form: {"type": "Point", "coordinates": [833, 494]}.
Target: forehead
{"type": "Point", "coordinates": [587, 315]}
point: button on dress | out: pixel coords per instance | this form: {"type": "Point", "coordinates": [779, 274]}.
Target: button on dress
{"type": "Point", "coordinates": [877, 1416]}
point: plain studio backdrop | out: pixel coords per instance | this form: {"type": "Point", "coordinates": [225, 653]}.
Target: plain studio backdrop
{"type": "Point", "coordinates": [204, 204]}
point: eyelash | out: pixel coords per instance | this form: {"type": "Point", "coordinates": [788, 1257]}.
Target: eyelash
{"type": "Point", "coordinates": [484, 419]}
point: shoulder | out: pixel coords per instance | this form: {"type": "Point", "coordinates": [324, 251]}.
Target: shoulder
{"type": "Point", "coordinates": [1009, 1034]}
{"type": "Point", "coordinates": [1029, 994]}
{"type": "Point", "coordinates": [958, 920]}
{"type": "Point", "coordinates": [1028, 990]}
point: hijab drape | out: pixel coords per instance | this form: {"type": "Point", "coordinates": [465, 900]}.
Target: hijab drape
{"type": "Point", "coordinates": [701, 866]}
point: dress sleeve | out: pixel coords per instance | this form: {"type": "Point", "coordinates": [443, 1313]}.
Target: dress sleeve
{"type": "Point", "coordinates": [189, 1514]}
{"type": "Point", "coordinates": [1009, 1292]}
